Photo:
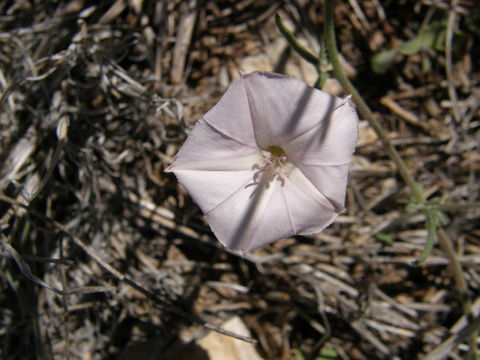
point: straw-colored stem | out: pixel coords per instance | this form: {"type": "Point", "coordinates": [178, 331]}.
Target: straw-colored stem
{"type": "Point", "coordinates": [462, 289]}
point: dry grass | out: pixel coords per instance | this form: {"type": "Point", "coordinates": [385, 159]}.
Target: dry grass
{"type": "Point", "coordinates": [101, 249]}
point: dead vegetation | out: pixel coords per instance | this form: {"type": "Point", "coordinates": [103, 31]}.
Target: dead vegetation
{"type": "Point", "coordinates": [102, 250]}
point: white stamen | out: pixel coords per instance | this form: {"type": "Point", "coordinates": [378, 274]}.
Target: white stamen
{"type": "Point", "coordinates": [274, 164]}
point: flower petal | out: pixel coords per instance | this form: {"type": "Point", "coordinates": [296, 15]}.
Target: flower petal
{"type": "Point", "coordinates": [331, 181]}
{"type": "Point", "coordinates": [323, 154]}
{"type": "Point", "coordinates": [206, 144]}
{"type": "Point", "coordinates": [211, 189]}
{"type": "Point", "coordinates": [283, 108]}
{"type": "Point", "coordinates": [212, 166]}
{"type": "Point", "coordinates": [235, 221]}
{"type": "Point", "coordinates": [331, 142]}
{"type": "Point", "coordinates": [246, 222]}
{"type": "Point", "coordinates": [228, 164]}
{"type": "Point", "coordinates": [296, 207]}
{"type": "Point", "coordinates": [311, 210]}
{"type": "Point", "coordinates": [231, 115]}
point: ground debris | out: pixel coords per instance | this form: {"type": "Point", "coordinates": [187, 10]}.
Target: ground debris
{"type": "Point", "coordinates": [95, 100]}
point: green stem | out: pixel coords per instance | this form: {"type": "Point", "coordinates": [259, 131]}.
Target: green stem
{"type": "Point", "coordinates": [304, 53]}
{"type": "Point", "coordinates": [294, 43]}
{"type": "Point", "coordinates": [432, 238]}
{"type": "Point", "coordinates": [361, 105]}
{"type": "Point", "coordinates": [322, 60]}
{"type": "Point", "coordinates": [448, 61]}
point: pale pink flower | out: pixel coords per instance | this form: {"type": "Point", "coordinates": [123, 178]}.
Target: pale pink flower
{"type": "Point", "coordinates": [269, 161]}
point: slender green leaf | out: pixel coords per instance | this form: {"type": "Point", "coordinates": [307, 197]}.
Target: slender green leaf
{"type": "Point", "coordinates": [294, 43]}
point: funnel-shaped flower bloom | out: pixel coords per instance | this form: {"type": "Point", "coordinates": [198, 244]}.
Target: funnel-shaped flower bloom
{"type": "Point", "coordinates": [269, 161]}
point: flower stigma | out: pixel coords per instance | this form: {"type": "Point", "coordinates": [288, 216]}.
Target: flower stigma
{"type": "Point", "coordinates": [274, 165]}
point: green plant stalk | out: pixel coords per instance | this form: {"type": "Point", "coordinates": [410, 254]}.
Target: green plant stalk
{"type": "Point", "coordinates": [322, 59]}
{"type": "Point", "coordinates": [363, 108]}
{"type": "Point", "coordinates": [432, 238]}
{"type": "Point", "coordinates": [448, 61]}
{"type": "Point", "coordinates": [402, 168]}
{"type": "Point", "coordinates": [304, 53]}
{"type": "Point", "coordinates": [294, 43]}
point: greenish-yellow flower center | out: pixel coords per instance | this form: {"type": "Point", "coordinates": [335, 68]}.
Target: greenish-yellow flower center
{"type": "Point", "coordinates": [274, 164]}
{"type": "Point", "coordinates": [276, 151]}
